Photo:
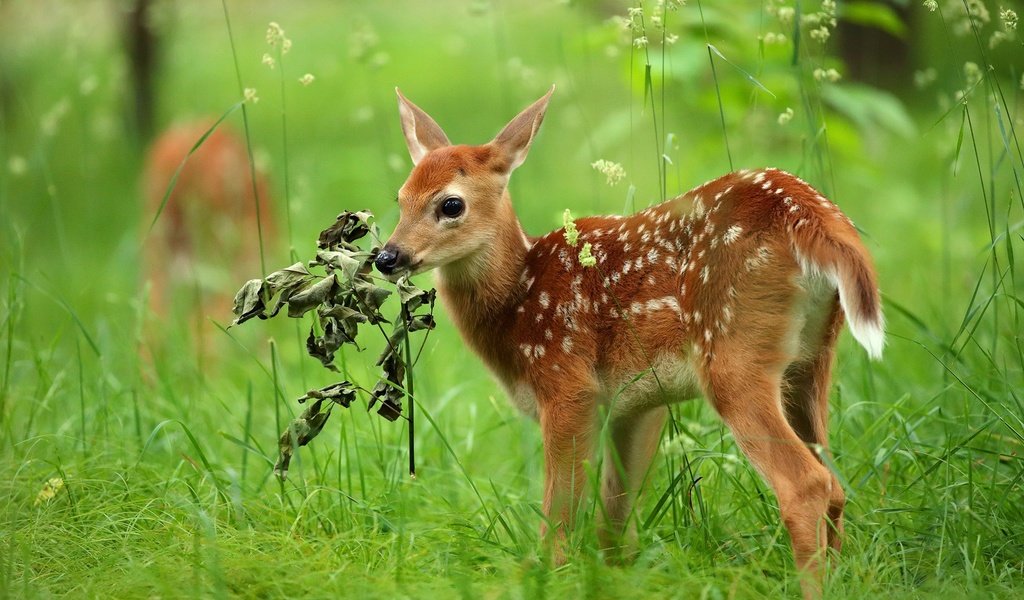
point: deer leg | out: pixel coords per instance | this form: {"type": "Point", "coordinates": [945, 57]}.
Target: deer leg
{"type": "Point", "coordinates": [634, 441]}
{"type": "Point", "coordinates": [568, 429]}
{"type": "Point", "coordinates": [806, 392]}
{"type": "Point", "coordinates": [749, 400]}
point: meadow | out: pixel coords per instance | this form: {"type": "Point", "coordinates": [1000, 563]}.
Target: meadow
{"type": "Point", "coordinates": [137, 452]}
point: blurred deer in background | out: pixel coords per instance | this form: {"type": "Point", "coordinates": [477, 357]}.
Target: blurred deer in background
{"type": "Point", "coordinates": [737, 289]}
{"type": "Point", "coordinates": [205, 238]}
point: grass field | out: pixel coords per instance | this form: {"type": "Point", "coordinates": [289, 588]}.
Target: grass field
{"type": "Point", "coordinates": [164, 462]}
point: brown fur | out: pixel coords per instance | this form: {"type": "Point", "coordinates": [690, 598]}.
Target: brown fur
{"type": "Point", "coordinates": [723, 290]}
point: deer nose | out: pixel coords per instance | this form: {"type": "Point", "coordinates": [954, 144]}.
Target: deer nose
{"type": "Point", "coordinates": [387, 260]}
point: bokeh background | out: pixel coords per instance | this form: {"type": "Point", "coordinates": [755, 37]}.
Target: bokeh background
{"type": "Point", "coordinates": [137, 447]}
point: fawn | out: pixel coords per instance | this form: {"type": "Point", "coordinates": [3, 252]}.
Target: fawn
{"type": "Point", "coordinates": [207, 229]}
{"type": "Point", "coordinates": [737, 289]}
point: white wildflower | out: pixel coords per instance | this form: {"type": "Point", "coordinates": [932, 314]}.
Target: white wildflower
{"type": "Point", "coordinates": [931, 5]}
{"type": "Point", "coordinates": [363, 44]}
{"type": "Point", "coordinates": [640, 42]}
{"type": "Point", "coordinates": [786, 14]}
{"type": "Point", "coordinates": [820, 34]}
{"type": "Point", "coordinates": [613, 171]}
{"type": "Point", "coordinates": [786, 116]}
{"type": "Point", "coordinates": [1009, 18]}
{"type": "Point", "coordinates": [268, 60]}
{"type": "Point", "coordinates": [250, 95]}
{"type": "Point", "coordinates": [972, 73]}
{"type": "Point", "coordinates": [671, 38]}
{"type": "Point", "coordinates": [274, 33]}
{"type": "Point", "coordinates": [924, 78]}
{"type": "Point", "coordinates": [830, 75]}
{"type": "Point", "coordinates": [307, 79]}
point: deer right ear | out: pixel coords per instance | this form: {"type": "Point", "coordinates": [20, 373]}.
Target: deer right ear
{"type": "Point", "coordinates": [422, 134]}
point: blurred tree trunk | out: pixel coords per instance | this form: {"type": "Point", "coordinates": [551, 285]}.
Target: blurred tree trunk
{"type": "Point", "coordinates": [875, 56]}
{"type": "Point", "coordinates": [6, 98]}
{"type": "Point", "coordinates": [141, 46]}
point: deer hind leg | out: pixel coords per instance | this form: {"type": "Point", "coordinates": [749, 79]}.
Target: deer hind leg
{"type": "Point", "coordinates": [634, 441]}
{"type": "Point", "coordinates": [748, 398]}
{"type": "Point", "coordinates": [806, 393]}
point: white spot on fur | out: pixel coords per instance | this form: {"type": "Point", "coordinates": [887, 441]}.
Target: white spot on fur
{"type": "Point", "coordinates": [698, 207]}
{"type": "Point", "coordinates": [759, 259]}
{"type": "Point", "coordinates": [732, 234]}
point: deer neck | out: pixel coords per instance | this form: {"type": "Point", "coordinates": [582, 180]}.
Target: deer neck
{"type": "Point", "coordinates": [482, 291]}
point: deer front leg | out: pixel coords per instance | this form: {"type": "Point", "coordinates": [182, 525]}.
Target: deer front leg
{"type": "Point", "coordinates": [568, 427]}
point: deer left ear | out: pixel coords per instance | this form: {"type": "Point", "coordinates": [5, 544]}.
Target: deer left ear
{"type": "Point", "coordinates": [422, 133]}
{"type": "Point", "coordinates": [515, 139]}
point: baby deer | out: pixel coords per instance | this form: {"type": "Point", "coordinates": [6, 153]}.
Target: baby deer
{"type": "Point", "coordinates": [736, 289]}
{"type": "Point", "coordinates": [203, 236]}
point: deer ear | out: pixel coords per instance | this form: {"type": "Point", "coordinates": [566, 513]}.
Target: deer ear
{"type": "Point", "coordinates": [515, 139]}
{"type": "Point", "coordinates": [422, 134]}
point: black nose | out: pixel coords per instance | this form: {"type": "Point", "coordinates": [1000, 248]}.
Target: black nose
{"type": "Point", "coordinates": [386, 260]}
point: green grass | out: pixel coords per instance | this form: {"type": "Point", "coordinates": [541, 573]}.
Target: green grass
{"type": "Point", "coordinates": [167, 463]}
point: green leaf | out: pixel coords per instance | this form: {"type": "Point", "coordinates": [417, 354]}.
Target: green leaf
{"type": "Point", "coordinates": [749, 77]}
{"type": "Point", "coordinates": [874, 14]}
{"type": "Point", "coordinates": [868, 107]}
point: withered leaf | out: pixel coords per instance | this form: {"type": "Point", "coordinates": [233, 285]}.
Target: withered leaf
{"type": "Point", "coordinates": [250, 301]}
{"type": "Point", "coordinates": [342, 393]}
{"type": "Point", "coordinates": [343, 299]}
{"type": "Point", "coordinates": [390, 397]}
{"type": "Point", "coordinates": [349, 263]}
{"type": "Point", "coordinates": [323, 347]}
{"type": "Point", "coordinates": [292, 277]}
{"type": "Point", "coordinates": [299, 433]}
{"type": "Point", "coordinates": [421, 322]}
{"type": "Point", "coordinates": [413, 297]}
{"type": "Point", "coordinates": [370, 298]}
{"type": "Point", "coordinates": [348, 227]}
{"type": "Point", "coordinates": [311, 297]}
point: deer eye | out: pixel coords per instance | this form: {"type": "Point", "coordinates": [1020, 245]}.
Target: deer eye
{"type": "Point", "coordinates": [452, 207]}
